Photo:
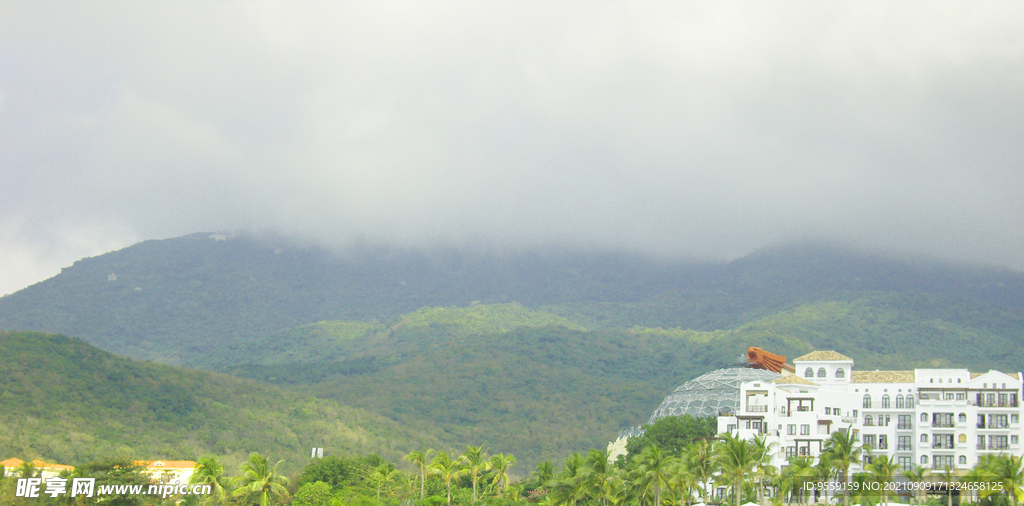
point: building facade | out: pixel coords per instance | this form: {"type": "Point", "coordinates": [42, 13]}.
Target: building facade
{"type": "Point", "coordinates": [944, 419]}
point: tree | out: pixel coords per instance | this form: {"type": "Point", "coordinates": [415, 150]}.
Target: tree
{"type": "Point", "coordinates": [209, 471]}
{"type": "Point", "coordinates": [736, 458]}
{"type": "Point", "coordinates": [448, 468]}
{"type": "Point", "coordinates": [596, 473]}
{"type": "Point", "coordinates": [883, 469]}
{"type": "Point", "coordinates": [673, 433]}
{"type": "Point", "coordinates": [763, 467]}
{"type": "Point", "coordinates": [796, 474]}
{"type": "Point", "coordinates": [381, 475]}
{"type": "Point", "coordinates": [419, 459]}
{"type": "Point", "coordinates": [916, 476]}
{"type": "Point", "coordinates": [312, 494]}
{"type": "Point", "coordinates": [653, 466]}
{"type": "Point", "coordinates": [475, 461]}
{"type": "Point", "coordinates": [501, 464]}
{"type": "Point", "coordinates": [842, 450]}
{"type": "Point", "coordinates": [1007, 470]}
{"type": "Point", "coordinates": [697, 459]}
{"type": "Point", "coordinates": [260, 483]}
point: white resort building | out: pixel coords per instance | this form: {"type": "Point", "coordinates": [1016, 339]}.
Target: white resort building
{"type": "Point", "coordinates": [938, 418]}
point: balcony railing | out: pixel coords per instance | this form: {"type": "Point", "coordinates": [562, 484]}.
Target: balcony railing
{"type": "Point", "coordinates": [943, 424]}
{"type": "Point", "coordinates": [757, 408]}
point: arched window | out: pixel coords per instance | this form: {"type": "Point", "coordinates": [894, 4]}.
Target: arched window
{"type": "Point", "coordinates": [885, 401]}
{"type": "Point", "coordinates": [821, 372]}
{"type": "Point", "coordinates": [809, 373]}
{"type": "Point", "coordinates": [962, 418]}
{"type": "Point", "coordinates": [867, 401]}
{"type": "Point", "coordinates": [924, 459]}
{"type": "Point", "coordinates": [840, 373]}
{"type": "Point", "coordinates": [899, 402]}
{"type": "Point", "coordinates": [962, 438]}
{"type": "Point", "coordinates": [868, 420]}
{"type": "Point", "coordinates": [910, 402]}
{"type": "Point", "coordinates": [924, 438]}
{"type": "Point", "coordinates": [963, 459]}
{"type": "Point", "coordinates": [924, 417]}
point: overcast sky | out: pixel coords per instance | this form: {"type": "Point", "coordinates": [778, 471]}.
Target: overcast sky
{"type": "Point", "coordinates": [686, 128]}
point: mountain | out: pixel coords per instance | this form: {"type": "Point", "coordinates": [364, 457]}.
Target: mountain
{"type": "Point", "coordinates": [67, 401]}
{"type": "Point", "coordinates": [184, 300]}
{"type": "Point", "coordinates": [537, 354]}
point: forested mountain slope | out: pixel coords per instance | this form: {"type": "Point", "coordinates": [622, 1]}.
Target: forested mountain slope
{"type": "Point", "coordinates": [66, 401]}
{"type": "Point", "coordinates": [185, 300]}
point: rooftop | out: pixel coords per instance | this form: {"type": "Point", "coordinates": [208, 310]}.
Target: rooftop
{"type": "Point", "coordinates": [882, 377]}
{"type": "Point", "coordinates": [819, 356]}
{"type": "Point", "coordinates": [793, 379]}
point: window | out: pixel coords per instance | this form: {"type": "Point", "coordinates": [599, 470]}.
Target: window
{"type": "Point", "coordinates": [904, 463]}
{"type": "Point", "coordinates": [809, 373]}
{"type": "Point", "coordinates": [910, 402]}
{"type": "Point", "coordinates": [963, 459]}
{"type": "Point", "coordinates": [924, 417]}
{"type": "Point", "coordinates": [997, 422]}
{"type": "Point", "coordinates": [981, 442]}
{"type": "Point", "coordinates": [791, 429]}
{"type": "Point", "coordinates": [961, 418]}
{"type": "Point", "coordinates": [868, 420]}
{"type": "Point", "coordinates": [828, 411]}
{"type": "Point", "coordinates": [924, 438]}
{"type": "Point", "coordinates": [924, 459]}
{"type": "Point", "coordinates": [960, 396]}
{"type": "Point", "coordinates": [942, 441]}
{"type": "Point", "coordinates": [869, 441]}
{"type": "Point", "coordinates": [962, 438]}
{"type": "Point", "coordinates": [948, 396]}
{"type": "Point", "coordinates": [805, 429]}
{"type": "Point", "coordinates": [1014, 418]}
{"type": "Point", "coordinates": [821, 372]}
{"type": "Point", "coordinates": [997, 443]}
{"type": "Point", "coordinates": [867, 401]}
{"type": "Point", "coordinates": [981, 421]}
{"type": "Point", "coordinates": [899, 402]}
{"type": "Point", "coordinates": [790, 452]}
{"type": "Point", "coordinates": [904, 444]}
{"type": "Point", "coordinates": [885, 401]}
{"type": "Point", "coordinates": [942, 419]}
{"type": "Point", "coordinates": [731, 427]}
{"type": "Point", "coordinates": [1013, 439]}
{"type": "Point", "coordinates": [883, 442]}
{"type": "Point", "coordinates": [840, 373]}
{"type": "Point", "coordinates": [904, 422]}
{"type": "Point", "coordinates": [1004, 399]}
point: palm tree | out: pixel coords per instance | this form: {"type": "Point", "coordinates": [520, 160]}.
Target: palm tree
{"type": "Point", "coordinates": [916, 476]}
{"type": "Point", "coordinates": [419, 459]}
{"type": "Point", "coordinates": [697, 460]}
{"type": "Point", "coordinates": [842, 450]}
{"type": "Point", "coordinates": [27, 470]}
{"type": "Point", "coordinates": [763, 454]}
{"type": "Point", "coordinates": [448, 468]}
{"type": "Point", "coordinates": [259, 482]}
{"type": "Point", "coordinates": [381, 475]}
{"type": "Point", "coordinates": [501, 463]}
{"type": "Point", "coordinates": [544, 473]}
{"type": "Point", "coordinates": [883, 469]}
{"type": "Point", "coordinates": [1008, 470]}
{"type": "Point", "coordinates": [475, 461]}
{"type": "Point", "coordinates": [209, 471]}
{"type": "Point", "coordinates": [596, 474]}
{"type": "Point", "coordinates": [736, 458]}
{"type": "Point", "coordinates": [566, 487]}
{"type": "Point", "coordinates": [654, 467]}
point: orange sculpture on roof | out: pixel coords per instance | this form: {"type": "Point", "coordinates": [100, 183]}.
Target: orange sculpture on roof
{"type": "Point", "coordinates": [760, 359]}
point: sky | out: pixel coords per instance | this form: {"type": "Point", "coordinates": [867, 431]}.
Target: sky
{"type": "Point", "coordinates": [685, 129]}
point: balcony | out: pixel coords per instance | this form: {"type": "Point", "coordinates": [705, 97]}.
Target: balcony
{"type": "Point", "coordinates": [757, 408]}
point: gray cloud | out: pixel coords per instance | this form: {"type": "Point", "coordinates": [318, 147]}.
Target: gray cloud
{"type": "Point", "coordinates": [678, 129]}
